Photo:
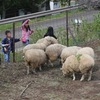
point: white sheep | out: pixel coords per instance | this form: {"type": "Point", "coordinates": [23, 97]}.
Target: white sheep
{"type": "Point", "coordinates": [47, 40]}
{"type": "Point", "coordinates": [34, 58]}
{"type": "Point", "coordinates": [41, 46]}
{"type": "Point", "coordinates": [54, 51]}
{"type": "Point", "coordinates": [78, 63]}
{"type": "Point", "coordinates": [68, 51]}
{"type": "Point", "coordinates": [87, 50]}
{"type": "Point", "coordinates": [51, 39]}
{"type": "Point", "coordinates": [44, 41]}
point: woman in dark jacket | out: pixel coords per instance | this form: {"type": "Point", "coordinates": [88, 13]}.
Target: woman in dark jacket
{"type": "Point", "coordinates": [50, 32]}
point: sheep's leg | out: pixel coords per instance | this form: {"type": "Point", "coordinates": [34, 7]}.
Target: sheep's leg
{"type": "Point", "coordinates": [34, 71]}
{"type": "Point", "coordinates": [74, 77]}
{"type": "Point", "coordinates": [28, 70]}
{"type": "Point", "coordinates": [90, 75]}
{"type": "Point", "coordinates": [40, 68]}
{"type": "Point", "coordinates": [60, 62]}
{"type": "Point", "coordinates": [51, 63]}
{"type": "Point", "coordinates": [82, 78]}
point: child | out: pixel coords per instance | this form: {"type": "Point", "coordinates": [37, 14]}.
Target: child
{"type": "Point", "coordinates": [8, 46]}
{"type": "Point", "coordinates": [50, 32]}
{"type": "Point", "coordinates": [26, 31]}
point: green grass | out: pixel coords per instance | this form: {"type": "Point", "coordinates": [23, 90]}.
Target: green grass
{"type": "Point", "coordinates": [89, 30]}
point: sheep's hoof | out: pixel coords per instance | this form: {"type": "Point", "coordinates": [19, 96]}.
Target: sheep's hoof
{"type": "Point", "coordinates": [34, 72]}
{"type": "Point", "coordinates": [73, 79]}
{"type": "Point", "coordinates": [64, 75]}
{"type": "Point", "coordinates": [52, 65]}
{"type": "Point", "coordinates": [89, 79]}
{"type": "Point", "coordinates": [40, 68]}
{"type": "Point", "coordinates": [28, 73]}
{"type": "Point", "coordinates": [81, 80]}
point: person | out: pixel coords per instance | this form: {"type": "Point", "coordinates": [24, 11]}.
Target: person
{"type": "Point", "coordinates": [26, 31]}
{"type": "Point", "coordinates": [8, 45]}
{"type": "Point", "coordinates": [50, 32]}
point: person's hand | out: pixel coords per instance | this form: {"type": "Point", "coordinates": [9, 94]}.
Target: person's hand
{"type": "Point", "coordinates": [32, 31]}
{"type": "Point", "coordinates": [6, 44]}
{"type": "Point", "coordinates": [5, 49]}
{"type": "Point", "coordinates": [29, 19]}
{"type": "Point", "coordinates": [20, 39]}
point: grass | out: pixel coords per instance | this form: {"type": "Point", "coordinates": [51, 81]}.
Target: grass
{"type": "Point", "coordinates": [89, 30]}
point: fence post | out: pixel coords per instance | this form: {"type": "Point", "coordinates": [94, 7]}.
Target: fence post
{"type": "Point", "coordinates": [14, 41]}
{"type": "Point", "coordinates": [0, 60]}
{"type": "Point", "coordinates": [67, 35]}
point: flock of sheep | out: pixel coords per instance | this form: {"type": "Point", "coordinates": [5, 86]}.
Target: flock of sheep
{"type": "Point", "coordinates": [73, 59]}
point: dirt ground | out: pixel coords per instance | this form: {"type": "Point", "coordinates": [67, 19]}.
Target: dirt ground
{"type": "Point", "coordinates": [49, 84]}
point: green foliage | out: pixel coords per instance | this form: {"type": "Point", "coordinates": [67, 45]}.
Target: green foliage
{"type": "Point", "coordinates": [78, 56]}
{"type": "Point", "coordinates": [88, 30]}
{"type": "Point", "coordinates": [39, 33]}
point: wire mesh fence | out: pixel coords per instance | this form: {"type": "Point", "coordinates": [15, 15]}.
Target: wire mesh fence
{"type": "Point", "coordinates": [73, 27]}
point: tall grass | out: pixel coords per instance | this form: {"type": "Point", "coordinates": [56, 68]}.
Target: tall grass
{"type": "Point", "coordinates": [88, 30]}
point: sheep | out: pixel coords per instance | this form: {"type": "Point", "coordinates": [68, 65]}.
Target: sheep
{"type": "Point", "coordinates": [51, 39]}
{"type": "Point", "coordinates": [41, 46]}
{"type": "Point", "coordinates": [47, 40]}
{"type": "Point", "coordinates": [87, 50]}
{"type": "Point", "coordinates": [68, 51]}
{"type": "Point", "coordinates": [78, 63]}
{"type": "Point", "coordinates": [53, 52]}
{"type": "Point", "coordinates": [34, 58]}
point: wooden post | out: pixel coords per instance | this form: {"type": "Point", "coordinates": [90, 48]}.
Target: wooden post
{"type": "Point", "coordinates": [14, 41]}
{"type": "Point", "coordinates": [67, 35]}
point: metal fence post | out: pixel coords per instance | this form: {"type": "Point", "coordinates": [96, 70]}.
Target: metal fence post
{"type": "Point", "coordinates": [14, 41]}
{"type": "Point", "coordinates": [67, 35]}
{"type": "Point", "coordinates": [0, 60]}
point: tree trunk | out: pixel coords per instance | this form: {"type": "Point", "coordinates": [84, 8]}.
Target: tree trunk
{"type": "Point", "coordinates": [69, 2]}
{"type": "Point", "coordinates": [48, 5]}
{"type": "Point", "coordinates": [3, 11]}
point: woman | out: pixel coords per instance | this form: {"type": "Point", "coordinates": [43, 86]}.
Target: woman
{"type": "Point", "coordinates": [50, 32]}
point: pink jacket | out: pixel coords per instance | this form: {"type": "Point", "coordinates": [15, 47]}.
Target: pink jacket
{"type": "Point", "coordinates": [25, 34]}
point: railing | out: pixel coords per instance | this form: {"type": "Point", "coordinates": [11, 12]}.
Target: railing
{"type": "Point", "coordinates": [39, 14]}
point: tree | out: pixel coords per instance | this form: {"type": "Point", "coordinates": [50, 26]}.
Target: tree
{"type": "Point", "coordinates": [6, 5]}
{"type": "Point", "coordinates": [27, 5]}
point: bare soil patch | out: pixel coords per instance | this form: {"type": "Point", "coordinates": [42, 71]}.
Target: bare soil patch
{"type": "Point", "coordinates": [49, 84]}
